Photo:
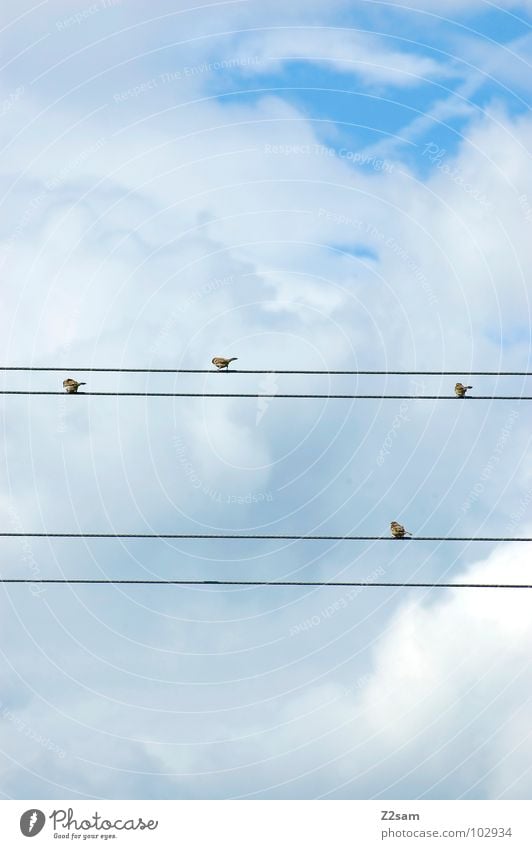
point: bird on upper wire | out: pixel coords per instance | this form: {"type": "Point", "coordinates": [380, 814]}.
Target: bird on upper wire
{"type": "Point", "coordinates": [71, 385]}
{"type": "Point", "coordinates": [398, 531]}
{"type": "Point", "coordinates": [222, 362]}
{"type": "Point", "coordinates": [461, 390]}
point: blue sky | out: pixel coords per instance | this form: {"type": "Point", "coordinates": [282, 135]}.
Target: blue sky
{"type": "Point", "coordinates": [334, 186]}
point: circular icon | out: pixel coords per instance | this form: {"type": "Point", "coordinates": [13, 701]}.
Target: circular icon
{"type": "Point", "coordinates": [32, 822]}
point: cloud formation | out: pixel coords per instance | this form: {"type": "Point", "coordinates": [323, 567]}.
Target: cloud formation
{"type": "Point", "coordinates": [154, 217]}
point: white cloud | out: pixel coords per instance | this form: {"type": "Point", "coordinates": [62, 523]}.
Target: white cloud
{"type": "Point", "coordinates": [442, 711]}
{"type": "Point", "coordinates": [454, 666]}
{"type": "Point", "coordinates": [344, 50]}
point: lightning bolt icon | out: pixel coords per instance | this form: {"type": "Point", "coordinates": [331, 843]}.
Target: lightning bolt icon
{"type": "Point", "coordinates": [33, 820]}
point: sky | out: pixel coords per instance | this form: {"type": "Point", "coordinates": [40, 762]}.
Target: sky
{"type": "Point", "coordinates": [328, 185]}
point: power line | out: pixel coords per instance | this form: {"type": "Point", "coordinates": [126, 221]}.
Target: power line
{"type": "Point", "coordinates": [270, 395]}
{"type": "Point", "coordinates": [263, 371]}
{"type": "Point", "coordinates": [260, 583]}
{"type": "Point", "coordinates": [225, 536]}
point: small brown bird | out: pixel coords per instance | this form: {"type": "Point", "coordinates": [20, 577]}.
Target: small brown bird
{"type": "Point", "coordinates": [398, 530]}
{"type": "Point", "coordinates": [461, 390]}
{"type": "Point", "coordinates": [71, 386]}
{"type": "Point", "coordinates": [222, 362]}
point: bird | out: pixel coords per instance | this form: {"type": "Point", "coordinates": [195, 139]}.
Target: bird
{"type": "Point", "coordinates": [71, 385]}
{"type": "Point", "coordinates": [222, 362]}
{"type": "Point", "coordinates": [398, 530]}
{"type": "Point", "coordinates": [461, 390]}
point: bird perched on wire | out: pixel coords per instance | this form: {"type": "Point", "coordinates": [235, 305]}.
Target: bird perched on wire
{"type": "Point", "coordinates": [71, 385]}
{"type": "Point", "coordinates": [222, 362]}
{"type": "Point", "coordinates": [461, 390]}
{"type": "Point", "coordinates": [398, 530]}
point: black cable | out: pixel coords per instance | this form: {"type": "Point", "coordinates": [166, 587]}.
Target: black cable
{"type": "Point", "coordinates": [230, 583]}
{"type": "Point", "coordinates": [292, 537]}
{"type": "Point", "coordinates": [464, 372]}
{"type": "Point", "coordinates": [271, 395]}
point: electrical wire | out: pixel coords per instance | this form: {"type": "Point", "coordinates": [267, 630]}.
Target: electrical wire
{"type": "Point", "coordinates": [261, 583]}
{"type": "Point", "coordinates": [270, 395]}
{"type": "Point", "coordinates": [463, 372]}
{"type": "Point", "coordinates": [226, 536]}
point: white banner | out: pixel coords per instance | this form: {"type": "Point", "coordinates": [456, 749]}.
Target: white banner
{"type": "Point", "coordinates": [267, 824]}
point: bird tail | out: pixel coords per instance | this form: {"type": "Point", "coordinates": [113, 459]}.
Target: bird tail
{"type": "Point", "coordinates": [82, 384]}
{"type": "Point", "coordinates": [408, 533]}
{"type": "Point", "coordinates": [469, 387]}
{"type": "Point", "coordinates": [230, 360]}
